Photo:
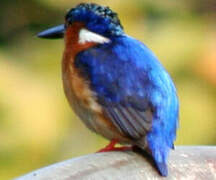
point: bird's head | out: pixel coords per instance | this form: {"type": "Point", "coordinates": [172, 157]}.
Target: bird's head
{"type": "Point", "coordinates": [88, 23]}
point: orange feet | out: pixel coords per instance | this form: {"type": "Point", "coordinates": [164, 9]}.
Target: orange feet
{"type": "Point", "coordinates": [111, 147]}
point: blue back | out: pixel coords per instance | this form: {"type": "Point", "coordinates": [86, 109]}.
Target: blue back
{"type": "Point", "coordinates": [125, 72]}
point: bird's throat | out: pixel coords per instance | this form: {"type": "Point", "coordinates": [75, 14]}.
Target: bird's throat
{"type": "Point", "coordinates": [72, 45]}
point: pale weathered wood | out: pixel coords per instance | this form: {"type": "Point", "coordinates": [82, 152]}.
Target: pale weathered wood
{"type": "Point", "coordinates": [192, 163]}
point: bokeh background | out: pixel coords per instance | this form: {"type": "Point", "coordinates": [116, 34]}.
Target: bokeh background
{"type": "Point", "coordinates": [37, 127]}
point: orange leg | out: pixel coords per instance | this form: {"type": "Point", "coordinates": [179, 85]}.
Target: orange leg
{"type": "Point", "coordinates": [111, 147]}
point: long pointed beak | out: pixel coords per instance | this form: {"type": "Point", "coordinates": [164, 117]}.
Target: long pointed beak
{"type": "Point", "coordinates": [53, 33]}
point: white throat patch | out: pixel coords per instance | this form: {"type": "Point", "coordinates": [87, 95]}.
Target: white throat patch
{"type": "Point", "coordinates": [88, 36]}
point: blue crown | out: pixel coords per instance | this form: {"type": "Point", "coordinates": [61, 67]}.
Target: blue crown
{"type": "Point", "coordinates": [96, 18]}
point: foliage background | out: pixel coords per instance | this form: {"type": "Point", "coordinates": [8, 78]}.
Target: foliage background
{"type": "Point", "coordinates": [37, 127]}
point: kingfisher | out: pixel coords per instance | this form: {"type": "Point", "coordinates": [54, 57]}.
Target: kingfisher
{"type": "Point", "coordinates": [115, 84]}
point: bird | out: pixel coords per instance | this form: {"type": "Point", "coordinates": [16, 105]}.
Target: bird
{"type": "Point", "coordinates": [115, 84]}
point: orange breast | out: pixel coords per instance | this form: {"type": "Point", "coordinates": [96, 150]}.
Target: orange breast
{"type": "Point", "coordinates": [71, 75]}
{"type": "Point", "coordinates": [77, 90]}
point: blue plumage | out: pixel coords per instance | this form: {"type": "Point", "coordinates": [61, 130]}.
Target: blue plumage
{"type": "Point", "coordinates": [116, 84]}
{"type": "Point", "coordinates": [99, 19]}
{"type": "Point", "coordinates": [126, 73]}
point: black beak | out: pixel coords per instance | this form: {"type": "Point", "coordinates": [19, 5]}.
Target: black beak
{"type": "Point", "coordinates": [53, 33]}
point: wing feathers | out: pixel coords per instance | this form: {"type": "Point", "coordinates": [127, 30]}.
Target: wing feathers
{"type": "Point", "coordinates": [130, 121]}
{"type": "Point", "coordinates": [119, 122]}
{"type": "Point", "coordinates": [140, 118]}
{"type": "Point", "coordinates": [127, 118]}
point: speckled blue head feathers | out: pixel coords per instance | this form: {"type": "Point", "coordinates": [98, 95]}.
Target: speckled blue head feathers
{"type": "Point", "coordinates": [99, 19]}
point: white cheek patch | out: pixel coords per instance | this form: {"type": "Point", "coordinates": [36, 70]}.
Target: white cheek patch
{"type": "Point", "coordinates": [88, 36]}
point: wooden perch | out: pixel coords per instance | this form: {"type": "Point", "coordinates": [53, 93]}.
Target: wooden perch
{"type": "Point", "coordinates": [192, 163]}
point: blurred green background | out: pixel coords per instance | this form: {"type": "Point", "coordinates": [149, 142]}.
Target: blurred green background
{"type": "Point", "coordinates": [37, 126]}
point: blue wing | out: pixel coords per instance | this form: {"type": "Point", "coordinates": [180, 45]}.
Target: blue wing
{"type": "Point", "coordinates": [134, 90]}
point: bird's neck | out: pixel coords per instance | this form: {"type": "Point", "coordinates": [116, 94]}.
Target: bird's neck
{"type": "Point", "coordinates": [72, 45]}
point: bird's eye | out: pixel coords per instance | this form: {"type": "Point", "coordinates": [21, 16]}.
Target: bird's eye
{"type": "Point", "coordinates": [69, 21]}
{"type": "Point", "coordinates": [66, 24]}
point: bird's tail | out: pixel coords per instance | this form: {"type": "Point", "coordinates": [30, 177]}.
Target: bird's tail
{"type": "Point", "coordinates": [162, 168]}
{"type": "Point", "coordinates": [158, 161]}
{"type": "Point", "coordinates": [159, 152]}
